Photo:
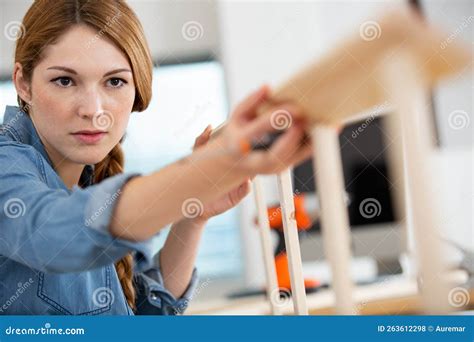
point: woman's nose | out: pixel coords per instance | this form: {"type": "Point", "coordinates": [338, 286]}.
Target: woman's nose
{"type": "Point", "coordinates": [90, 104]}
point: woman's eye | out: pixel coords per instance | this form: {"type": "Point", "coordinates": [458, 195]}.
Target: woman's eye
{"type": "Point", "coordinates": [63, 81]}
{"type": "Point", "coordinates": [116, 82]}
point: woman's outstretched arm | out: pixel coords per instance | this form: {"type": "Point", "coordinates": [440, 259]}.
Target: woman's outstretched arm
{"type": "Point", "coordinates": [149, 203]}
{"type": "Point", "coordinates": [178, 255]}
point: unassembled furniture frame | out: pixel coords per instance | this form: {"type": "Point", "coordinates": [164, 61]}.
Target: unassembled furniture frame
{"type": "Point", "coordinates": [396, 69]}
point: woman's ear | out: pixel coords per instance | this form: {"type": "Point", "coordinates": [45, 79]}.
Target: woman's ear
{"type": "Point", "coordinates": [23, 87]}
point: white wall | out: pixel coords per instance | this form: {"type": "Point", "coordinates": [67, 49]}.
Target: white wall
{"type": "Point", "coordinates": [453, 101]}
{"type": "Point", "coordinates": [10, 11]}
{"type": "Point", "coordinates": [163, 22]}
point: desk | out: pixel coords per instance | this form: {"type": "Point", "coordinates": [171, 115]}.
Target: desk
{"type": "Point", "coordinates": [396, 295]}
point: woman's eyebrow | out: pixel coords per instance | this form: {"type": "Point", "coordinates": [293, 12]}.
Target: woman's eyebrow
{"type": "Point", "coordinates": [116, 71]}
{"type": "Point", "coordinates": [72, 71]}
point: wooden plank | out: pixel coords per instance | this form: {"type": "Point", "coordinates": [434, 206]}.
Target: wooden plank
{"type": "Point", "coordinates": [292, 244]}
{"type": "Point", "coordinates": [334, 217]}
{"type": "Point", "coordinates": [273, 291]}
{"type": "Point", "coordinates": [346, 80]}
{"type": "Point", "coordinates": [411, 107]}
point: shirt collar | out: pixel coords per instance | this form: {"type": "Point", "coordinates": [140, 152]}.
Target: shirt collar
{"type": "Point", "coordinates": [21, 128]}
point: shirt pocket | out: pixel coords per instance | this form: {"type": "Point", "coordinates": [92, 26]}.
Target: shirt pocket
{"type": "Point", "coordinates": [84, 293]}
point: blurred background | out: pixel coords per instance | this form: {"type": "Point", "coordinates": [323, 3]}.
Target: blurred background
{"type": "Point", "coordinates": [209, 54]}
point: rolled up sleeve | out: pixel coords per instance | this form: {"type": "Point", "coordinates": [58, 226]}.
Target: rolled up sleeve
{"type": "Point", "coordinates": [154, 299]}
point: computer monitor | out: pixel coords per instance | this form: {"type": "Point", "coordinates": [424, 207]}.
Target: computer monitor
{"type": "Point", "coordinates": [374, 232]}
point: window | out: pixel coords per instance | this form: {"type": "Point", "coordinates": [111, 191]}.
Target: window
{"type": "Point", "coordinates": [186, 98]}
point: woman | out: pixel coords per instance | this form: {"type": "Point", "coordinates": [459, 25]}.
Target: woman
{"type": "Point", "coordinates": [76, 233]}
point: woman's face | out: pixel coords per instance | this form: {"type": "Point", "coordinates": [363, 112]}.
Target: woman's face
{"type": "Point", "coordinates": [82, 95]}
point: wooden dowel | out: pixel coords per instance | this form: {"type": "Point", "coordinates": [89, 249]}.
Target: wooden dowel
{"type": "Point", "coordinates": [334, 217]}
{"type": "Point", "coordinates": [397, 173]}
{"type": "Point", "coordinates": [374, 112]}
{"type": "Point", "coordinates": [273, 291]}
{"type": "Point", "coordinates": [409, 94]}
{"type": "Point", "coordinates": [292, 244]}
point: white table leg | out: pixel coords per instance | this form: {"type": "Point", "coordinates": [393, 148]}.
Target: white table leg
{"type": "Point", "coordinates": [292, 244]}
{"type": "Point", "coordinates": [400, 193]}
{"type": "Point", "coordinates": [404, 84]}
{"type": "Point", "coordinates": [273, 291]}
{"type": "Point", "coordinates": [334, 216]}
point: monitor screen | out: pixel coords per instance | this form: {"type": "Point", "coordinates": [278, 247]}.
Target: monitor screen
{"type": "Point", "coordinates": [367, 182]}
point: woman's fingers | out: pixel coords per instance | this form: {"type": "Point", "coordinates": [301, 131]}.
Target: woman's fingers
{"type": "Point", "coordinates": [236, 195]}
{"type": "Point", "coordinates": [246, 110]}
{"type": "Point", "coordinates": [203, 138]}
{"type": "Point", "coordinates": [248, 128]}
{"type": "Point", "coordinates": [289, 149]}
{"type": "Point", "coordinates": [305, 152]}
{"type": "Point", "coordinates": [244, 189]}
{"type": "Point", "coordinates": [283, 150]}
{"type": "Point", "coordinates": [278, 119]}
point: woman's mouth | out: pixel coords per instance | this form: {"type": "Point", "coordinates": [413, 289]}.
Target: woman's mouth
{"type": "Point", "coordinates": [89, 137]}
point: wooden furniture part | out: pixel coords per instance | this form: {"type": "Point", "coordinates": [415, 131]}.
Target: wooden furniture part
{"type": "Point", "coordinates": [292, 245]}
{"type": "Point", "coordinates": [273, 291]}
{"type": "Point", "coordinates": [393, 70]}
{"type": "Point", "coordinates": [396, 68]}
{"type": "Point", "coordinates": [334, 218]}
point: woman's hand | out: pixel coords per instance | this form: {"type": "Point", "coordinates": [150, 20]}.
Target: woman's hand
{"type": "Point", "coordinates": [227, 201]}
{"type": "Point", "coordinates": [245, 127]}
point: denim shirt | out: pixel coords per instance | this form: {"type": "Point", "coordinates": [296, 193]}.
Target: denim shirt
{"type": "Point", "coordinates": [56, 253]}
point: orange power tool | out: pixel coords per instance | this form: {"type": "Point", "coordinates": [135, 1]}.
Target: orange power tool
{"type": "Point", "coordinates": [306, 213]}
